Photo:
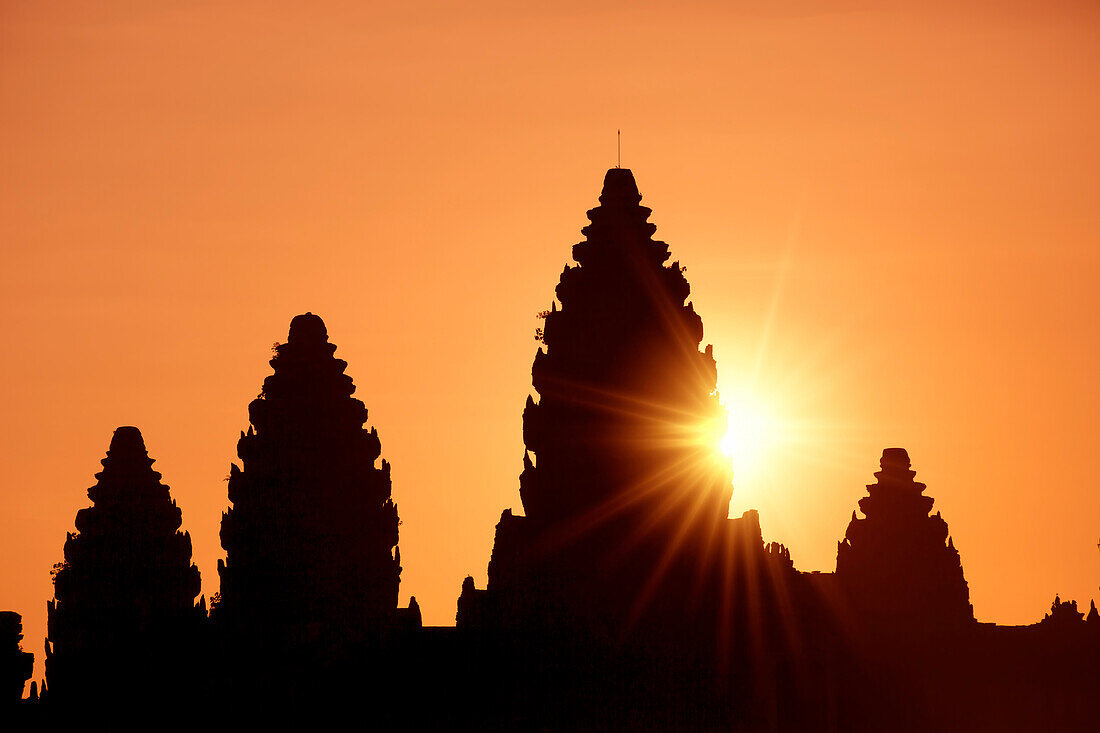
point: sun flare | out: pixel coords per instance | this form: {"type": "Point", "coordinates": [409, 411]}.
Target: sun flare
{"type": "Point", "coordinates": [751, 433]}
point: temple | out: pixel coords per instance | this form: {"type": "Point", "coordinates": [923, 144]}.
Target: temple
{"type": "Point", "coordinates": [124, 603]}
{"type": "Point", "coordinates": [896, 565]}
{"type": "Point", "coordinates": [620, 597]}
{"type": "Point", "coordinates": [622, 478]}
{"type": "Point", "coordinates": [312, 566]}
{"type": "Point", "coordinates": [625, 547]}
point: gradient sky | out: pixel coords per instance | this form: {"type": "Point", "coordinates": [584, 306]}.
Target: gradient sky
{"type": "Point", "coordinates": [889, 218]}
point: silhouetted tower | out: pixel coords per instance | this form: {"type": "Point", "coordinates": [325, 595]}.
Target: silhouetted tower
{"type": "Point", "coordinates": [622, 478]}
{"type": "Point", "coordinates": [124, 605]}
{"type": "Point", "coordinates": [623, 386]}
{"type": "Point", "coordinates": [310, 539]}
{"type": "Point", "coordinates": [16, 665]}
{"type": "Point", "coordinates": [897, 565]}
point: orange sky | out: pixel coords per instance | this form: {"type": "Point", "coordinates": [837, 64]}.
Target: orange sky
{"type": "Point", "coordinates": [889, 219]}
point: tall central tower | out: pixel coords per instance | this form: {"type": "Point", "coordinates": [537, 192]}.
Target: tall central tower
{"type": "Point", "coordinates": [623, 485]}
{"type": "Point", "coordinates": [625, 393]}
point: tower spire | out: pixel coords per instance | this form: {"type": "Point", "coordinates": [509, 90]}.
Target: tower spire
{"type": "Point", "coordinates": [623, 394]}
{"type": "Point", "coordinates": [127, 585]}
{"type": "Point", "coordinates": [898, 564]}
{"type": "Point", "coordinates": [311, 534]}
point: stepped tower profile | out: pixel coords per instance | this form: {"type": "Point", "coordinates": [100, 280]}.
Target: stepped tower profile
{"type": "Point", "coordinates": [623, 486]}
{"type": "Point", "coordinates": [124, 606]}
{"type": "Point", "coordinates": [897, 564]}
{"type": "Point", "coordinates": [311, 536]}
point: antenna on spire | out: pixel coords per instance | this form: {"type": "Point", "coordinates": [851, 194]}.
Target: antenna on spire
{"type": "Point", "coordinates": [618, 148]}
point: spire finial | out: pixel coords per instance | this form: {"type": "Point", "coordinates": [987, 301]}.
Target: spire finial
{"type": "Point", "coordinates": [618, 148]}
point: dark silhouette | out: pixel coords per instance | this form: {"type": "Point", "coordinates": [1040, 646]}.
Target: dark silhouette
{"type": "Point", "coordinates": [897, 566]}
{"type": "Point", "coordinates": [311, 573]}
{"type": "Point", "coordinates": [125, 595]}
{"type": "Point", "coordinates": [626, 564]}
{"type": "Point", "coordinates": [623, 598]}
{"type": "Point", "coordinates": [626, 478]}
{"type": "Point", "coordinates": [16, 665]}
{"type": "Point", "coordinates": [1065, 614]}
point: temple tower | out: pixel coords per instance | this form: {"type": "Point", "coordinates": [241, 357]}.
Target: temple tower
{"type": "Point", "coordinates": [623, 389]}
{"type": "Point", "coordinates": [897, 565]}
{"type": "Point", "coordinates": [124, 605]}
{"type": "Point", "coordinates": [311, 536]}
{"type": "Point", "coordinates": [623, 484]}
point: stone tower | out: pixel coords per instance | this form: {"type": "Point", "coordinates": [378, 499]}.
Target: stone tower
{"type": "Point", "coordinates": [623, 483]}
{"type": "Point", "coordinates": [124, 603]}
{"type": "Point", "coordinates": [897, 565]}
{"type": "Point", "coordinates": [311, 536]}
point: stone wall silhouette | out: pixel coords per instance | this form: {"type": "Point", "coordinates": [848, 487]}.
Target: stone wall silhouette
{"type": "Point", "coordinates": [16, 665]}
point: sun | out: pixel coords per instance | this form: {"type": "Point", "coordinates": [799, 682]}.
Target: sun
{"type": "Point", "coordinates": [750, 436]}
